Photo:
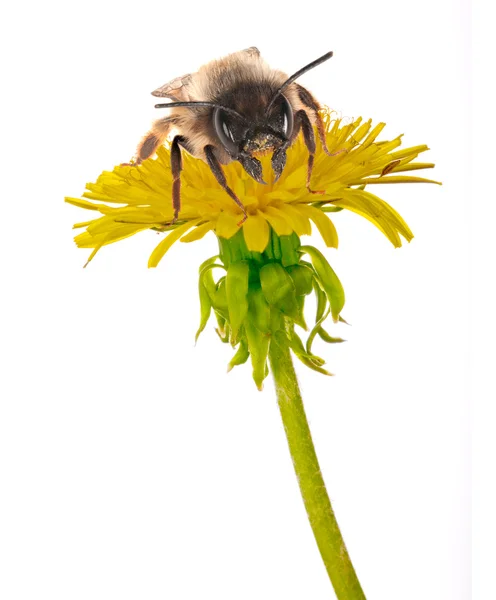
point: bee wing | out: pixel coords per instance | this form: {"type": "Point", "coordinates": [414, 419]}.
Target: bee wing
{"type": "Point", "coordinates": [177, 89]}
{"type": "Point", "coordinates": [251, 51]}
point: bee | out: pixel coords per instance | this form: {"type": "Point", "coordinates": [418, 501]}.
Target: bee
{"type": "Point", "coordinates": [235, 109]}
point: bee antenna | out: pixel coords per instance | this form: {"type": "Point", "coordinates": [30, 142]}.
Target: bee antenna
{"type": "Point", "coordinates": [214, 104]}
{"type": "Point", "coordinates": [295, 76]}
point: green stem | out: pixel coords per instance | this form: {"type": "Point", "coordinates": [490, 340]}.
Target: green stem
{"type": "Point", "coordinates": [318, 506]}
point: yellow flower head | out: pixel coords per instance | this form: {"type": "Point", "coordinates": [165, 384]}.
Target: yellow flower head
{"type": "Point", "coordinates": [262, 293]}
{"type": "Point", "coordinates": [139, 198]}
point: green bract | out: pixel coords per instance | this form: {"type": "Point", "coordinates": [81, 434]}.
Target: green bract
{"type": "Point", "coordinates": [261, 296]}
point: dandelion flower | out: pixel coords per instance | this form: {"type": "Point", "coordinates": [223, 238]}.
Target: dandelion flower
{"type": "Point", "coordinates": [265, 272]}
{"type": "Point", "coordinates": [265, 249]}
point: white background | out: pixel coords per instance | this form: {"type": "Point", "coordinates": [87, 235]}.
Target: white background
{"type": "Point", "coordinates": [131, 465]}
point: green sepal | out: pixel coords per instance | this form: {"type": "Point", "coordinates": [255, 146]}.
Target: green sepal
{"type": "Point", "coordinates": [279, 291]}
{"type": "Point", "coordinates": [276, 320]}
{"type": "Point", "coordinates": [315, 330]}
{"type": "Point", "coordinates": [321, 316]}
{"type": "Point", "coordinates": [308, 363]}
{"type": "Point", "coordinates": [223, 338]}
{"type": "Point", "coordinates": [205, 308]}
{"type": "Point", "coordinates": [258, 345]}
{"type": "Point", "coordinates": [223, 329]}
{"type": "Point", "coordinates": [258, 258]}
{"type": "Point", "coordinates": [332, 209]}
{"type": "Point", "coordinates": [290, 244]}
{"type": "Point", "coordinates": [325, 207]}
{"type": "Point", "coordinates": [309, 360]}
{"type": "Point", "coordinates": [276, 283]}
{"type": "Point", "coordinates": [207, 278]}
{"type": "Point", "coordinates": [241, 356]}
{"type": "Point", "coordinates": [268, 253]}
{"type": "Point", "coordinates": [328, 279]}
{"type": "Point", "coordinates": [234, 249]}
{"type": "Point", "coordinates": [215, 290]}
{"type": "Point", "coordinates": [259, 310]}
{"type": "Point", "coordinates": [222, 323]}
{"type": "Point", "coordinates": [297, 346]}
{"type": "Point", "coordinates": [276, 246]}
{"type": "Point", "coordinates": [237, 295]}
{"type": "Point", "coordinates": [302, 278]}
{"type": "Point", "coordinates": [321, 300]}
{"type": "Point", "coordinates": [220, 302]}
{"type": "Point", "coordinates": [291, 308]}
{"type": "Point", "coordinates": [300, 302]}
{"type": "Point", "coordinates": [205, 273]}
{"type": "Point", "coordinates": [329, 339]}
{"type": "Point", "coordinates": [206, 285]}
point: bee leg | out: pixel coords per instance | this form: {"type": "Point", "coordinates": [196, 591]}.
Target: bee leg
{"type": "Point", "coordinates": [309, 138]}
{"type": "Point", "coordinates": [309, 101]}
{"type": "Point", "coordinates": [279, 162]}
{"type": "Point", "coordinates": [216, 169]}
{"type": "Point", "coordinates": [176, 168]}
{"type": "Point", "coordinates": [153, 139]}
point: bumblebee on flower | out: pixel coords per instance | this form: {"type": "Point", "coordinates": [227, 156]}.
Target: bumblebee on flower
{"type": "Point", "coordinates": [259, 205]}
{"type": "Point", "coordinates": [133, 199]}
{"type": "Point", "coordinates": [234, 109]}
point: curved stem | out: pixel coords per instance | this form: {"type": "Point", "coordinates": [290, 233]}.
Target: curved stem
{"type": "Point", "coordinates": [318, 506]}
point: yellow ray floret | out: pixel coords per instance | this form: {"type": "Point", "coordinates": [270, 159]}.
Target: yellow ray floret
{"type": "Point", "coordinates": [132, 199]}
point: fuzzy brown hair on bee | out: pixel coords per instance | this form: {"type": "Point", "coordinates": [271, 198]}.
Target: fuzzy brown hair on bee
{"type": "Point", "coordinates": [235, 108]}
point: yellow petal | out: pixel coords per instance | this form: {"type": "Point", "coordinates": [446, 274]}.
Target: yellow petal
{"type": "Point", "coordinates": [82, 203]}
{"type": "Point", "coordinates": [388, 146]}
{"type": "Point", "coordinates": [363, 156]}
{"type": "Point", "coordinates": [106, 225]}
{"type": "Point", "coordinates": [82, 224]}
{"type": "Point", "coordinates": [362, 131]}
{"type": "Point", "coordinates": [373, 134]}
{"type": "Point", "coordinates": [395, 179]}
{"type": "Point", "coordinates": [92, 255]}
{"type": "Point", "coordinates": [88, 239]}
{"type": "Point", "coordinates": [393, 217]}
{"type": "Point", "coordinates": [379, 222]}
{"type": "Point", "coordinates": [256, 231]}
{"type": "Point", "coordinates": [332, 190]}
{"type": "Point", "coordinates": [324, 224]}
{"type": "Point", "coordinates": [300, 223]}
{"type": "Point", "coordinates": [412, 167]}
{"type": "Point", "coordinates": [239, 188]}
{"type": "Point", "coordinates": [281, 194]}
{"type": "Point", "coordinates": [136, 216]}
{"type": "Point", "coordinates": [198, 232]}
{"type": "Point", "coordinates": [408, 151]}
{"type": "Point", "coordinates": [378, 212]}
{"type": "Point", "coordinates": [157, 255]}
{"type": "Point", "coordinates": [277, 222]}
{"type": "Point", "coordinates": [248, 200]}
{"type": "Point", "coordinates": [227, 224]}
{"type": "Point", "coordinates": [296, 179]}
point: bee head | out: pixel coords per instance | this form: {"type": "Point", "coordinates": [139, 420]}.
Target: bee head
{"type": "Point", "coordinates": [271, 132]}
{"type": "Point", "coordinates": [264, 123]}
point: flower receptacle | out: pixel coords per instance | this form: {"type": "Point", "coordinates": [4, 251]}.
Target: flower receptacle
{"type": "Point", "coordinates": [261, 296]}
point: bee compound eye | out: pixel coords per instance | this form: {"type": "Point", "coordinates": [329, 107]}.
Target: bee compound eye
{"type": "Point", "coordinates": [288, 120]}
{"type": "Point", "coordinates": [224, 132]}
